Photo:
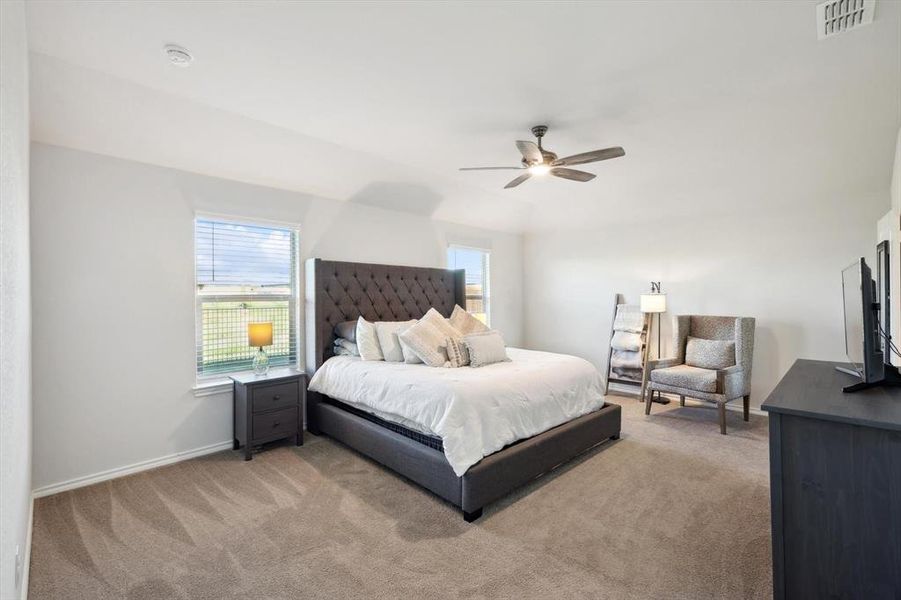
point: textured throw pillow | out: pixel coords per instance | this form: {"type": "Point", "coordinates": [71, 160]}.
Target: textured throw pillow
{"type": "Point", "coordinates": [465, 323]}
{"type": "Point", "coordinates": [709, 354]}
{"type": "Point", "coordinates": [368, 341]}
{"type": "Point", "coordinates": [485, 348]}
{"type": "Point", "coordinates": [457, 354]}
{"type": "Point", "coordinates": [427, 342]}
{"type": "Point", "coordinates": [388, 341]}
{"type": "Point", "coordinates": [435, 319]}
{"type": "Point", "coordinates": [409, 356]}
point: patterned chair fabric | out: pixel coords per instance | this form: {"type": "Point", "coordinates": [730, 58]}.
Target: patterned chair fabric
{"type": "Point", "coordinates": [672, 375]}
{"type": "Point", "coordinates": [683, 376]}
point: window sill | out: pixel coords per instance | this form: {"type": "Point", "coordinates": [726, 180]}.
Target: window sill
{"type": "Point", "coordinates": [212, 387]}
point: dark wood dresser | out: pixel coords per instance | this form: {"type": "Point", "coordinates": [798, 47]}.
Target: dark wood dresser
{"type": "Point", "coordinates": [268, 408]}
{"type": "Point", "coordinates": [835, 485]}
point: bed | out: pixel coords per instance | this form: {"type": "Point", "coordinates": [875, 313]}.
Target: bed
{"type": "Point", "coordinates": [342, 291]}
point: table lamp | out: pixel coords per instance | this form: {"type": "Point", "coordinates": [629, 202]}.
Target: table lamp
{"type": "Point", "coordinates": [655, 303]}
{"type": "Point", "coordinates": [259, 335]}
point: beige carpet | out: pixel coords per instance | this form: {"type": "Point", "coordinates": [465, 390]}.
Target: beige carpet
{"type": "Point", "coordinates": [671, 510]}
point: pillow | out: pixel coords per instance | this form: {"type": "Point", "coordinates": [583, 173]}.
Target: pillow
{"type": "Point", "coordinates": [409, 356]}
{"type": "Point", "coordinates": [485, 348]}
{"type": "Point", "coordinates": [347, 330]}
{"type": "Point", "coordinates": [388, 341]}
{"type": "Point", "coordinates": [347, 347]}
{"type": "Point", "coordinates": [434, 317]}
{"type": "Point", "coordinates": [368, 341]}
{"type": "Point", "coordinates": [457, 354]}
{"type": "Point", "coordinates": [709, 354]}
{"type": "Point", "coordinates": [427, 342]}
{"type": "Point", "coordinates": [339, 351]}
{"type": "Point", "coordinates": [465, 323]}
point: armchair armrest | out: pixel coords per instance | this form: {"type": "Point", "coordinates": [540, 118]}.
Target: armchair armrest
{"type": "Point", "coordinates": [731, 381]}
{"type": "Point", "coordinates": [662, 363]}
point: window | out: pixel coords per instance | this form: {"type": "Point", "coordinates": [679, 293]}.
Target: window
{"type": "Point", "coordinates": [245, 273]}
{"type": "Point", "coordinates": [475, 262]}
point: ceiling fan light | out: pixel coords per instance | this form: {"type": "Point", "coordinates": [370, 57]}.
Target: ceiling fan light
{"type": "Point", "coordinates": [539, 169]}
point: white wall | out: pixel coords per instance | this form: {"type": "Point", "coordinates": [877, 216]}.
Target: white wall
{"type": "Point", "coordinates": [112, 251]}
{"type": "Point", "coordinates": [783, 269]}
{"type": "Point", "coordinates": [889, 228]}
{"type": "Point", "coordinates": [15, 299]}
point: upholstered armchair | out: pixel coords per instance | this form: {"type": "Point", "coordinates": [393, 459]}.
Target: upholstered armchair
{"type": "Point", "coordinates": [704, 366]}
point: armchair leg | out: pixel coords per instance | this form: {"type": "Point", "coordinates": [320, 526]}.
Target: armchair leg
{"type": "Point", "coordinates": [747, 407]}
{"type": "Point", "coordinates": [721, 406]}
{"type": "Point", "coordinates": [681, 400]}
{"type": "Point", "coordinates": [649, 395]}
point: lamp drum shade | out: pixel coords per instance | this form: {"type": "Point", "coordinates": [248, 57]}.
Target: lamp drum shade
{"type": "Point", "coordinates": [653, 303]}
{"type": "Point", "coordinates": [259, 334]}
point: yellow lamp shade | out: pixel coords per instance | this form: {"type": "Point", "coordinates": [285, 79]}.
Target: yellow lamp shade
{"type": "Point", "coordinates": [259, 334]}
{"type": "Point", "coordinates": [653, 303]}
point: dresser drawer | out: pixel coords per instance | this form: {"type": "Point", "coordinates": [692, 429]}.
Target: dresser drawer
{"type": "Point", "coordinates": [271, 397]}
{"type": "Point", "coordinates": [274, 424]}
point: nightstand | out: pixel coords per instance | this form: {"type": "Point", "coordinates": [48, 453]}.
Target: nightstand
{"type": "Point", "coordinates": [268, 408]}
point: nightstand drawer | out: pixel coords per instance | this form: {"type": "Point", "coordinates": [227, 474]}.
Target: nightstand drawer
{"type": "Point", "coordinates": [271, 397]}
{"type": "Point", "coordinates": [276, 423]}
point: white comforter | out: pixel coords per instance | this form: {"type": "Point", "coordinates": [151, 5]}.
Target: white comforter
{"type": "Point", "coordinates": [475, 411]}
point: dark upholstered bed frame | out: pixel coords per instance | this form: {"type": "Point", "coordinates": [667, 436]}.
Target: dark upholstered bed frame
{"type": "Point", "coordinates": [342, 291]}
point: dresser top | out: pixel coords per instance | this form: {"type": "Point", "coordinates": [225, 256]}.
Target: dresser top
{"type": "Point", "coordinates": [271, 377]}
{"type": "Point", "coordinates": [813, 388]}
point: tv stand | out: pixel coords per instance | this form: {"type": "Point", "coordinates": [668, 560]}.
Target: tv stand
{"type": "Point", "coordinates": [835, 486]}
{"type": "Point", "coordinates": [892, 378]}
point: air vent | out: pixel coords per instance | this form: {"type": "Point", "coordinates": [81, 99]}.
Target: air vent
{"type": "Point", "coordinates": [837, 16]}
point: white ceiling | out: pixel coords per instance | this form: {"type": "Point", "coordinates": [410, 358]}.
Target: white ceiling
{"type": "Point", "coordinates": [732, 107]}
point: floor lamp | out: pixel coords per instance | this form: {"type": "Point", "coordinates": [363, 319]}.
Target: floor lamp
{"type": "Point", "coordinates": [655, 304]}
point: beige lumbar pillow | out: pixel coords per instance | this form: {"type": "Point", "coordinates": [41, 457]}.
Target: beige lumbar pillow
{"type": "Point", "coordinates": [465, 323]}
{"type": "Point", "coordinates": [368, 341]}
{"type": "Point", "coordinates": [427, 342]}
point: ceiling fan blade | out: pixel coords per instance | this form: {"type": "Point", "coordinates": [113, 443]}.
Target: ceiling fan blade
{"type": "Point", "coordinates": [572, 174]}
{"type": "Point", "coordinates": [587, 157]}
{"type": "Point", "coordinates": [518, 180]}
{"type": "Point", "coordinates": [491, 168]}
{"type": "Point", "coordinates": [530, 151]}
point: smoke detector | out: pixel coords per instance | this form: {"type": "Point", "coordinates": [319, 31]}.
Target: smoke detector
{"type": "Point", "coordinates": [178, 56]}
{"type": "Point", "coordinates": [838, 16]}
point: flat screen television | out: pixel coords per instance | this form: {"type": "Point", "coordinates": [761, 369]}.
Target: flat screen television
{"type": "Point", "coordinates": [863, 333]}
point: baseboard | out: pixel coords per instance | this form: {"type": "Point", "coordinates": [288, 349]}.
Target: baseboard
{"type": "Point", "coordinates": [26, 564]}
{"type": "Point", "coordinates": [55, 488]}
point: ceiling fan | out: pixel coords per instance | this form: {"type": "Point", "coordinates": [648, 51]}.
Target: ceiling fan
{"type": "Point", "coordinates": [536, 161]}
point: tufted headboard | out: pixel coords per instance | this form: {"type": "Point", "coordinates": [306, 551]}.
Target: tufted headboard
{"type": "Point", "coordinates": [344, 291]}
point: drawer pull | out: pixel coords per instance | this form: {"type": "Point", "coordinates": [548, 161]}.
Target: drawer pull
{"type": "Point", "coordinates": [276, 424]}
{"type": "Point", "coordinates": [276, 398]}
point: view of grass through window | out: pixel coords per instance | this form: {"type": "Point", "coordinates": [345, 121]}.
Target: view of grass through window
{"type": "Point", "coordinates": [245, 273]}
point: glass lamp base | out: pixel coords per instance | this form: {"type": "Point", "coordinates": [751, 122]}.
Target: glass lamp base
{"type": "Point", "coordinates": [261, 363]}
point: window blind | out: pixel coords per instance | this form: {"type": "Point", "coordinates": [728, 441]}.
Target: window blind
{"type": "Point", "coordinates": [475, 262]}
{"type": "Point", "coordinates": [245, 273]}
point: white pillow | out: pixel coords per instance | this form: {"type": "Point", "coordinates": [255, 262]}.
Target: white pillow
{"type": "Point", "coordinates": [465, 323]}
{"type": "Point", "coordinates": [388, 341]}
{"type": "Point", "coordinates": [485, 348]}
{"type": "Point", "coordinates": [434, 317]}
{"type": "Point", "coordinates": [368, 341]}
{"type": "Point", "coordinates": [409, 356]}
{"type": "Point", "coordinates": [427, 342]}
